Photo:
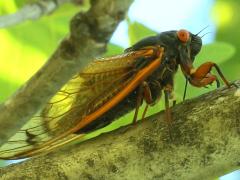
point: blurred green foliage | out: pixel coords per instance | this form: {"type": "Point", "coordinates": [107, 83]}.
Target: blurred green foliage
{"type": "Point", "coordinates": [25, 48]}
{"type": "Point", "coordinates": [137, 31]}
{"type": "Point", "coordinates": [226, 15]}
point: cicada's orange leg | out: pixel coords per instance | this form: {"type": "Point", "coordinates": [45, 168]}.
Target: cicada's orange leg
{"type": "Point", "coordinates": [138, 103]}
{"type": "Point", "coordinates": [147, 97]}
{"type": "Point", "coordinates": [168, 94]}
{"type": "Point", "coordinates": [168, 89]}
{"type": "Point", "coordinates": [144, 92]}
{"type": "Point", "coordinates": [201, 76]}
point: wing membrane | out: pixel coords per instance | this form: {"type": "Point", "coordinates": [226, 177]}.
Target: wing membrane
{"type": "Point", "coordinates": [84, 94]}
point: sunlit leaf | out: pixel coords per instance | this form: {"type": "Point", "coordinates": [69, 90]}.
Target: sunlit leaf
{"type": "Point", "coordinates": [138, 31]}
{"type": "Point", "coordinates": [18, 62]}
{"type": "Point", "coordinates": [113, 49]}
{"type": "Point", "coordinates": [223, 13]}
{"type": "Point", "coordinates": [217, 52]}
{"type": "Point", "coordinates": [48, 30]}
{"type": "Point", "coordinates": [25, 47]}
{"type": "Point", "coordinates": [9, 88]}
{"type": "Point", "coordinates": [7, 7]}
{"type": "Point", "coordinates": [20, 3]}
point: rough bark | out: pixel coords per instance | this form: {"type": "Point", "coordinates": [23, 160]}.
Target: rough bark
{"type": "Point", "coordinates": [89, 34]}
{"type": "Point", "coordinates": [204, 144]}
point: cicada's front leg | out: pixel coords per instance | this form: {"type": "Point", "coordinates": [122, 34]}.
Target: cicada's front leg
{"type": "Point", "coordinates": [202, 77]}
{"type": "Point", "coordinates": [168, 94]}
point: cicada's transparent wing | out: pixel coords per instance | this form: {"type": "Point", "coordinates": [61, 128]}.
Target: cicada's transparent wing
{"type": "Point", "coordinates": [81, 96]}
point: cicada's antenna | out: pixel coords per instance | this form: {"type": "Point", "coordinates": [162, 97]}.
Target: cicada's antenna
{"type": "Point", "coordinates": [201, 30]}
{"type": "Point", "coordinates": [205, 34]}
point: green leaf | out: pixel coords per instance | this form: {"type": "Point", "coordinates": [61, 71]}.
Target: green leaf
{"type": "Point", "coordinates": [45, 33]}
{"type": "Point", "coordinates": [113, 49]}
{"type": "Point", "coordinates": [26, 46]}
{"type": "Point", "coordinates": [20, 3]}
{"type": "Point", "coordinates": [137, 31]}
{"type": "Point", "coordinates": [7, 7]}
{"type": "Point", "coordinates": [217, 52]}
{"type": "Point", "coordinates": [9, 88]}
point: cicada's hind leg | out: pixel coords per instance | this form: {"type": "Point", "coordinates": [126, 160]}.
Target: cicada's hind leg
{"type": "Point", "coordinates": [144, 92]}
{"type": "Point", "coordinates": [138, 103]}
{"type": "Point", "coordinates": [147, 97]}
{"type": "Point", "coordinates": [151, 95]}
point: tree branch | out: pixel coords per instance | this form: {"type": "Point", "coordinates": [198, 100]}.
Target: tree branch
{"type": "Point", "coordinates": [204, 144]}
{"type": "Point", "coordinates": [31, 12]}
{"type": "Point", "coordinates": [89, 34]}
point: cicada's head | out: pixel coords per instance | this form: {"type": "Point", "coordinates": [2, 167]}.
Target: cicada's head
{"type": "Point", "coordinates": [195, 45]}
{"type": "Point", "coordinates": [182, 45]}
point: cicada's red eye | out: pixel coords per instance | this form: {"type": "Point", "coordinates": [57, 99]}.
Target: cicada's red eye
{"type": "Point", "coordinates": [183, 35]}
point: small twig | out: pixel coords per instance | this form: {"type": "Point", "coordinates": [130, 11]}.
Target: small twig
{"type": "Point", "coordinates": [31, 12]}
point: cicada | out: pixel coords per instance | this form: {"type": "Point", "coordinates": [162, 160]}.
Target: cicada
{"type": "Point", "coordinates": [110, 87]}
